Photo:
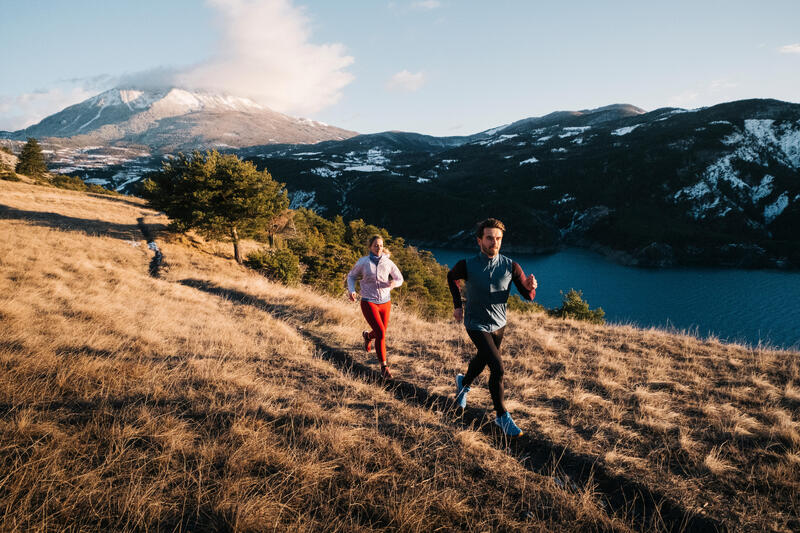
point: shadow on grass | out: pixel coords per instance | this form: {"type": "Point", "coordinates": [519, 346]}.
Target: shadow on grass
{"type": "Point", "coordinates": [58, 221]}
{"type": "Point", "coordinates": [621, 496]}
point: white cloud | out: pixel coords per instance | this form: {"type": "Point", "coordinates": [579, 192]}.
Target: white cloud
{"type": "Point", "coordinates": [406, 81]}
{"type": "Point", "coordinates": [20, 111]}
{"type": "Point", "coordinates": [426, 4]}
{"type": "Point", "coordinates": [790, 49]}
{"type": "Point", "coordinates": [265, 54]}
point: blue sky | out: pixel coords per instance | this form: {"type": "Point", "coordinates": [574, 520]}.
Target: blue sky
{"type": "Point", "coordinates": [441, 67]}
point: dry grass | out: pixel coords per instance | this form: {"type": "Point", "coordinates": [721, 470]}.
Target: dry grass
{"type": "Point", "coordinates": [209, 398]}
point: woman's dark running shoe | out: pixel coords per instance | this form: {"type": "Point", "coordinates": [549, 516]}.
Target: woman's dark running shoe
{"type": "Point", "coordinates": [508, 426]}
{"type": "Point", "coordinates": [385, 374]}
{"type": "Point", "coordinates": [367, 341]}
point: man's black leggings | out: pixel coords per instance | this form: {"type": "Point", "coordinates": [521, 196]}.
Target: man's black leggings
{"type": "Point", "coordinates": [488, 345]}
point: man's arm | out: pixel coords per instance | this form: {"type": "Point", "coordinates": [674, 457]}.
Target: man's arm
{"type": "Point", "coordinates": [526, 285]}
{"type": "Point", "coordinates": [456, 273]}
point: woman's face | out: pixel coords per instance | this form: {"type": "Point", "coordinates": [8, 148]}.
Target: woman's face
{"type": "Point", "coordinates": [376, 247]}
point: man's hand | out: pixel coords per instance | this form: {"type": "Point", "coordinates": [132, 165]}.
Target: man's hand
{"type": "Point", "coordinates": [353, 296]}
{"type": "Point", "coordinates": [530, 282]}
{"type": "Point", "coordinates": [458, 314]}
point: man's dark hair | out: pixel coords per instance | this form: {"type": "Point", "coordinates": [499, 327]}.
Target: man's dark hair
{"type": "Point", "coordinates": [489, 223]}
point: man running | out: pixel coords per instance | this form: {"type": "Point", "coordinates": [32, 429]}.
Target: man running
{"type": "Point", "coordinates": [487, 278]}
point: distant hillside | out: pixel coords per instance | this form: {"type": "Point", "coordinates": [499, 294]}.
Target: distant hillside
{"type": "Point", "coordinates": [172, 120]}
{"type": "Point", "coordinates": [716, 186]}
{"type": "Point", "coordinates": [202, 397]}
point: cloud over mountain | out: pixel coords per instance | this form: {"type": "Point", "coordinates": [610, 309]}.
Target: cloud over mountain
{"type": "Point", "coordinates": [266, 54]}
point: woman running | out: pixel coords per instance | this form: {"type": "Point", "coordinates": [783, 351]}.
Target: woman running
{"type": "Point", "coordinates": [379, 275]}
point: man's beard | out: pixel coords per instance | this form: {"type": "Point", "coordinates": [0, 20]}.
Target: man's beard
{"type": "Point", "coordinates": [489, 251]}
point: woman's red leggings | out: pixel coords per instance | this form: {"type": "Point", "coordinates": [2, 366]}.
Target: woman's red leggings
{"type": "Point", "coordinates": [377, 316]}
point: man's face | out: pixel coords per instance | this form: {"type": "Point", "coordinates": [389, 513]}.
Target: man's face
{"type": "Point", "coordinates": [490, 242]}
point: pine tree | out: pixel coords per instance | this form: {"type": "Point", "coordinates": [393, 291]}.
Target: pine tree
{"type": "Point", "coordinates": [219, 195]}
{"type": "Point", "coordinates": [31, 161]}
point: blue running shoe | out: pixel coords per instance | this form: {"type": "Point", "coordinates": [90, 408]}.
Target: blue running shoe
{"type": "Point", "coordinates": [508, 426]}
{"type": "Point", "coordinates": [461, 392]}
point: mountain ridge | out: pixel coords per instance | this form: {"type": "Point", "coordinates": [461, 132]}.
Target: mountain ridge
{"type": "Point", "coordinates": [718, 185]}
{"type": "Point", "coordinates": [174, 119]}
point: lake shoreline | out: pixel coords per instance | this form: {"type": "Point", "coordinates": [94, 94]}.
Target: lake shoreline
{"type": "Point", "coordinates": [653, 256]}
{"type": "Point", "coordinates": [744, 306]}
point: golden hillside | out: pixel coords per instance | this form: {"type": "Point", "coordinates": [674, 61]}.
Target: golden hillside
{"type": "Point", "coordinates": [194, 395]}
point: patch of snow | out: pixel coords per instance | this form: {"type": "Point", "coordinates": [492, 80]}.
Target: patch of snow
{"type": "Point", "coordinates": [307, 153]}
{"type": "Point", "coordinates": [574, 130]}
{"type": "Point", "coordinates": [734, 138]}
{"type": "Point", "coordinates": [544, 139]}
{"type": "Point", "coordinates": [307, 199]}
{"type": "Point", "coordinates": [376, 157]}
{"type": "Point", "coordinates": [723, 170]}
{"type": "Point", "coordinates": [763, 190]}
{"type": "Point", "coordinates": [528, 161]}
{"type": "Point", "coordinates": [131, 179]}
{"type": "Point", "coordinates": [773, 210]}
{"type": "Point", "coordinates": [500, 139]}
{"type": "Point", "coordinates": [494, 130]}
{"type": "Point", "coordinates": [365, 168]}
{"type": "Point", "coordinates": [539, 187]}
{"type": "Point", "coordinates": [559, 150]}
{"type": "Point", "coordinates": [325, 172]}
{"type": "Point", "coordinates": [507, 156]}
{"type": "Point", "coordinates": [99, 111]}
{"type": "Point", "coordinates": [564, 199]}
{"type": "Point", "coordinates": [694, 192]}
{"type": "Point", "coordinates": [719, 122]}
{"type": "Point", "coordinates": [423, 180]}
{"type": "Point", "coordinates": [577, 140]}
{"type": "Point", "coordinates": [761, 129]}
{"type": "Point", "coordinates": [624, 131]}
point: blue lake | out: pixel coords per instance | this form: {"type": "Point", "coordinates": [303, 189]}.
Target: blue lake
{"type": "Point", "coordinates": [747, 306]}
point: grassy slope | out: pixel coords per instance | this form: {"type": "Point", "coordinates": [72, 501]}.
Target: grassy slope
{"type": "Point", "coordinates": [208, 398]}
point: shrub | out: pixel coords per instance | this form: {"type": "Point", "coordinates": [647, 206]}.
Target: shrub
{"type": "Point", "coordinates": [574, 306]}
{"type": "Point", "coordinates": [515, 303]}
{"type": "Point", "coordinates": [278, 265]}
{"type": "Point", "coordinates": [9, 175]}
{"type": "Point", "coordinates": [73, 183]}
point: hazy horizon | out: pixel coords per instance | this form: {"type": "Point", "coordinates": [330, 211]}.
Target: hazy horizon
{"type": "Point", "coordinates": [433, 67]}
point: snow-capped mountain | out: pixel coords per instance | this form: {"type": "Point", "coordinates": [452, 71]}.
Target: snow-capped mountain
{"type": "Point", "coordinates": [717, 185]}
{"type": "Point", "coordinates": [174, 119]}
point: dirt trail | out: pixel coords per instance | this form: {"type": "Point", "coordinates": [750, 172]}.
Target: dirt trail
{"type": "Point", "coordinates": [158, 258]}
{"type": "Point", "coordinates": [619, 495]}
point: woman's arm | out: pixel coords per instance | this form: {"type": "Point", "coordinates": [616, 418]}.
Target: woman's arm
{"type": "Point", "coordinates": [397, 277]}
{"type": "Point", "coordinates": [354, 273]}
